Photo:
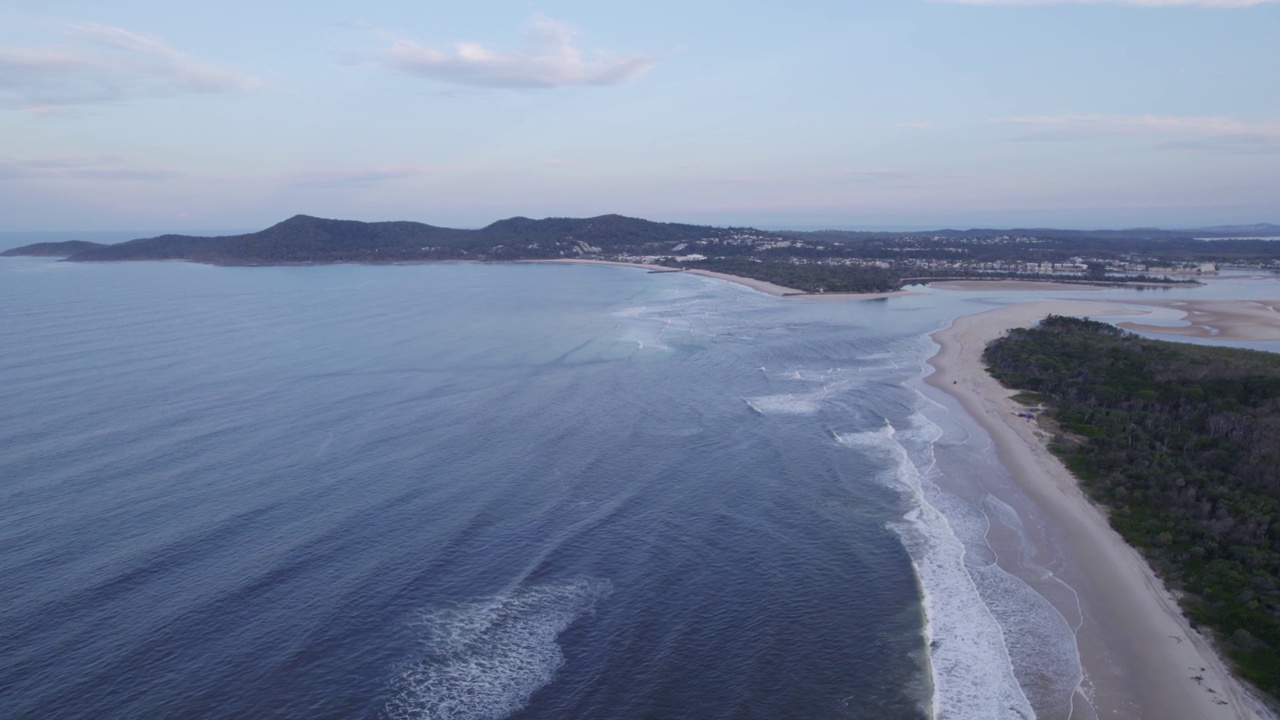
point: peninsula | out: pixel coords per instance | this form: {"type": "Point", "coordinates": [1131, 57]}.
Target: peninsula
{"type": "Point", "coordinates": [1140, 646]}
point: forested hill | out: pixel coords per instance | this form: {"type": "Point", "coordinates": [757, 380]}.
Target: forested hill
{"type": "Point", "coordinates": [54, 249]}
{"type": "Point", "coordinates": [1181, 443]}
{"type": "Point", "coordinates": [305, 239]}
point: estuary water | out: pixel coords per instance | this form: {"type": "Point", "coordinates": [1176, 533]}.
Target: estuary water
{"type": "Point", "coordinates": [491, 491]}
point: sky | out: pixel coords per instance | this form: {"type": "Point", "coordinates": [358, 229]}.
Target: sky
{"type": "Point", "coordinates": [183, 117]}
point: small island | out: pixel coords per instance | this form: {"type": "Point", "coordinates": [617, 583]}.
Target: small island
{"type": "Point", "coordinates": [807, 262]}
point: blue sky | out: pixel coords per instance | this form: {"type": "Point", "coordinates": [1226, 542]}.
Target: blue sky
{"type": "Point", "coordinates": [134, 114]}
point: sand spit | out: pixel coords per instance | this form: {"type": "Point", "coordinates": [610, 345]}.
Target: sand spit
{"type": "Point", "coordinates": [1141, 657]}
{"type": "Point", "coordinates": [759, 285]}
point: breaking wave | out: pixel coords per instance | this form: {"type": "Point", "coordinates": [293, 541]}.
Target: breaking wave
{"type": "Point", "coordinates": [483, 660]}
{"type": "Point", "coordinates": [831, 383]}
{"type": "Point", "coordinates": [970, 666]}
{"type": "Point", "coordinates": [788, 404]}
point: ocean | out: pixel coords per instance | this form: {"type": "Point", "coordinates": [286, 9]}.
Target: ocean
{"type": "Point", "coordinates": [501, 491]}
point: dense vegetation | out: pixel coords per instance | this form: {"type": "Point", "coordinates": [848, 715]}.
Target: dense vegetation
{"type": "Point", "coordinates": [54, 249]}
{"type": "Point", "coordinates": [811, 277]}
{"type": "Point", "coordinates": [1181, 443]}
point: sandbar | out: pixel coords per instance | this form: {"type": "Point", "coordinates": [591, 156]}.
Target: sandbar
{"type": "Point", "coordinates": [1141, 657]}
{"type": "Point", "coordinates": [1221, 319]}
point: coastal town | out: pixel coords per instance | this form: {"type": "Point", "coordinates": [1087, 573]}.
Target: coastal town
{"type": "Point", "coordinates": [912, 257]}
{"type": "Point", "coordinates": [1053, 256]}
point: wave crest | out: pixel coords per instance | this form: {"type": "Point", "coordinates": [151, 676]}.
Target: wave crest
{"type": "Point", "coordinates": [970, 666]}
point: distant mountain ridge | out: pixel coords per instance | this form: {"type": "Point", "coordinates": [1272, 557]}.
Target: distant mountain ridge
{"type": "Point", "coordinates": [306, 239]}
{"type": "Point", "coordinates": [826, 261]}
{"type": "Point", "coordinates": [54, 249]}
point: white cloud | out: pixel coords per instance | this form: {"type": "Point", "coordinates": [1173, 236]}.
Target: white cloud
{"type": "Point", "coordinates": [98, 64]}
{"type": "Point", "coordinates": [1141, 3]}
{"type": "Point", "coordinates": [1192, 133]}
{"type": "Point", "coordinates": [549, 60]}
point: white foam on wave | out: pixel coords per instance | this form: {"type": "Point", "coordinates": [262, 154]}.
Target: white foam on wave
{"type": "Point", "coordinates": [483, 660]}
{"type": "Point", "coordinates": [1039, 611]}
{"type": "Point", "coordinates": [970, 666]}
{"type": "Point", "coordinates": [631, 312]}
{"type": "Point", "coordinates": [832, 382]}
{"type": "Point", "coordinates": [816, 376]}
{"type": "Point", "coordinates": [1044, 650]}
{"type": "Point", "coordinates": [785, 404]}
{"type": "Point", "coordinates": [649, 327]}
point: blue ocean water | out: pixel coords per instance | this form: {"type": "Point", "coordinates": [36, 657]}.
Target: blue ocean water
{"type": "Point", "coordinates": [489, 491]}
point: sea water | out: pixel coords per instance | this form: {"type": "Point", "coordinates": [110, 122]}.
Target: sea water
{"type": "Point", "coordinates": [490, 491]}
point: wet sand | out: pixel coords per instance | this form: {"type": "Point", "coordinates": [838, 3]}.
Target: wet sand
{"type": "Point", "coordinates": [1141, 658]}
{"type": "Point", "coordinates": [1221, 319]}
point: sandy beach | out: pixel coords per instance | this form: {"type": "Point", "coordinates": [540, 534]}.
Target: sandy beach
{"type": "Point", "coordinates": [1141, 658]}
{"type": "Point", "coordinates": [1220, 319]}
{"type": "Point", "coordinates": [760, 285]}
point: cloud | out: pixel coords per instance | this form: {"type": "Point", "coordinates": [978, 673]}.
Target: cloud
{"type": "Point", "coordinates": [99, 64]}
{"type": "Point", "coordinates": [1140, 3]}
{"type": "Point", "coordinates": [76, 167]}
{"type": "Point", "coordinates": [549, 60]}
{"type": "Point", "coordinates": [1190, 133]}
{"type": "Point", "coordinates": [353, 177]}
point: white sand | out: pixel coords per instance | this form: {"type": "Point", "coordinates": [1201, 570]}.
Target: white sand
{"type": "Point", "coordinates": [1139, 653]}
{"type": "Point", "coordinates": [1219, 319]}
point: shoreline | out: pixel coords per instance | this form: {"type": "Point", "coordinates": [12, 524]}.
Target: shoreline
{"type": "Point", "coordinates": [763, 286]}
{"type": "Point", "coordinates": [1140, 655]}
{"type": "Point", "coordinates": [760, 286]}
{"type": "Point", "coordinates": [1218, 319]}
